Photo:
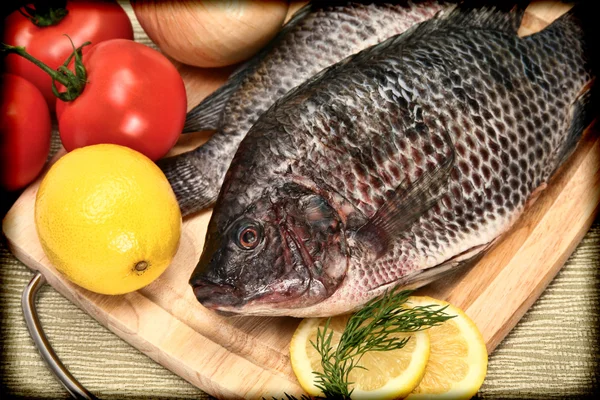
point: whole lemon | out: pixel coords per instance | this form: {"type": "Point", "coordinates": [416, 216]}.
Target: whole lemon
{"type": "Point", "coordinates": [107, 218]}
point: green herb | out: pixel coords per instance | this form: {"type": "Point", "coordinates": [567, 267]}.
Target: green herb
{"type": "Point", "coordinates": [370, 329]}
{"type": "Point", "coordinates": [290, 397]}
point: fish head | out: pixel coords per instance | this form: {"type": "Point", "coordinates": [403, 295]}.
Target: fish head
{"type": "Point", "coordinates": [287, 250]}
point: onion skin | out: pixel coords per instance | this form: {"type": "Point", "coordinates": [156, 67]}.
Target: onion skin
{"type": "Point", "coordinates": [211, 33]}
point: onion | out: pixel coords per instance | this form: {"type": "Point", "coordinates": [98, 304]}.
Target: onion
{"type": "Point", "coordinates": [210, 33]}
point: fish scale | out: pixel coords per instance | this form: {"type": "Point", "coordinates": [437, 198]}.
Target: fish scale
{"type": "Point", "coordinates": [322, 37]}
{"type": "Point", "coordinates": [466, 206]}
{"type": "Point", "coordinates": [417, 152]}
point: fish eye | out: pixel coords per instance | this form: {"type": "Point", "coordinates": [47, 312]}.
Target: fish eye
{"type": "Point", "coordinates": [249, 236]}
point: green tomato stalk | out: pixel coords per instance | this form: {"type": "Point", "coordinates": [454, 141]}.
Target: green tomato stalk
{"type": "Point", "coordinates": [74, 82]}
{"type": "Point", "coordinates": [44, 14]}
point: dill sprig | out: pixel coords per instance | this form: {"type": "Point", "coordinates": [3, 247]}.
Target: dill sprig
{"type": "Point", "coordinates": [290, 397]}
{"type": "Point", "coordinates": [372, 328]}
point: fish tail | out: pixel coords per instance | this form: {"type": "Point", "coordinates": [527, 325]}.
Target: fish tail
{"type": "Point", "coordinates": [584, 15]}
{"type": "Point", "coordinates": [580, 24]}
{"type": "Point", "coordinates": [194, 188]}
{"type": "Point", "coordinates": [576, 34]}
{"type": "Point", "coordinates": [583, 113]}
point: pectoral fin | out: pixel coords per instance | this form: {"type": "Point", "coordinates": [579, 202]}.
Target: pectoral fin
{"type": "Point", "coordinates": [406, 206]}
{"type": "Point", "coordinates": [446, 269]}
{"type": "Point", "coordinates": [466, 260]}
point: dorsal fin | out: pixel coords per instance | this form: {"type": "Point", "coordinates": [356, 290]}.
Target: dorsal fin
{"type": "Point", "coordinates": [501, 16]}
{"type": "Point", "coordinates": [207, 114]}
{"type": "Point", "coordinates": [469, 14]}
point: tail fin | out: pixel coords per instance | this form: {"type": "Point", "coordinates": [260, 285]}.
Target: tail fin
{"type": "Point", "coordinates": [194, 188]}
{"type": "Point", "coordinates": [584, 111]}
{"type": "Point", "coordinates": [581, 22]}
{"type": "Point", "coordinates": [580, 30]}
{"type": "Point", "coordinates": [584, 14]}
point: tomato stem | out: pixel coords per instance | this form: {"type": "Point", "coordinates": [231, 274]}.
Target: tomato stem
{"type": "Point", "coordinates": [43, 14]}
{"type": "Point", "coordinates": [74, 82]}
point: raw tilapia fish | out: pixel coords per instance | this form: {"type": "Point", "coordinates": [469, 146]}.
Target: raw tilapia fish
{"type": "Point", "coordinates": [396, 165]}
{"type": "Point", "coordinates": [318, 36]}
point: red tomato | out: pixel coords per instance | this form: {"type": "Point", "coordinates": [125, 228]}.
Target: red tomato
{"type": "Point", "coordinates": [134, 97]}
{"type": "Point", "coordinates": [86, 21]}
{"type": "Point", "coordinates": [24, 132]}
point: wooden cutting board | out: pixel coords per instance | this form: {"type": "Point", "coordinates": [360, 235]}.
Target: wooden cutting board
{"type": "Point", "coordinates": [247, 357]}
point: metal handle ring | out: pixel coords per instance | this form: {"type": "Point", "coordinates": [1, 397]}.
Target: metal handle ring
{"type": "Point", "coordinates": [41, 342]}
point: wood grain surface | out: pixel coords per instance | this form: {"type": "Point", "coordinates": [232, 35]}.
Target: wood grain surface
{"type": "Point", "coordinates": [247, 357]}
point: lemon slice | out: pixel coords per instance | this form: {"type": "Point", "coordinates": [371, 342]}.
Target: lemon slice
{"type": "Point", "coordinates": [386, 375]}
{"type": "Point", "coordinates": [458, 356]}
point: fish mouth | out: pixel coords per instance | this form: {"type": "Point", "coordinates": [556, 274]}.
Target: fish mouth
{"type": "Point", "coordinates": [218, 296]}
{"type": "Point", "coordinates": [215, 295]}
{"type": "Point", "coordinates": [225, 297]}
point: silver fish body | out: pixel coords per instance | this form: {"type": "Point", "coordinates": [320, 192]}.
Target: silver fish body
{"type": "Point", "coordinates": [318, 36]}
{"type": "Point", "coordinates": [394, 166]}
